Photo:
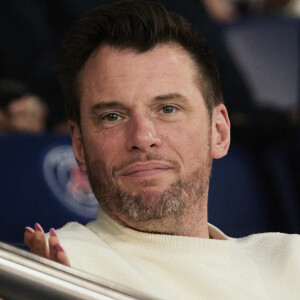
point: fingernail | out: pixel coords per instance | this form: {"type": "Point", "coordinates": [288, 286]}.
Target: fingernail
{"type": "Point", "coordinates": [53, 232]}
{"type": "Point", "coordinates": [59, 247]}
{"type": "Point", "coordinates": [29, 229]}
{"type": "Point", "coordinates": [38, 227]}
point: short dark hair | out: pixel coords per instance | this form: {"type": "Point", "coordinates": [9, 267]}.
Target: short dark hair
{"type": "Point", "coordinates": [140, 26]}
{"type": "Point", "coordinates": [11, 90]}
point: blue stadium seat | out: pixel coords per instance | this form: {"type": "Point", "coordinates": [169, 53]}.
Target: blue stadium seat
{"type": "Point", "coordinates": [281, 162]}
{"type": "Point", "coordinates": [237, 202]}
{"type": "Point", "coordinates": [40, 182]}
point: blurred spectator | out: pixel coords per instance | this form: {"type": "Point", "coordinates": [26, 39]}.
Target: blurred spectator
{"type": "Point", "coordinates": [285, 6]}
{"type": "Point", "coordinates": [293, 8]}
{"type": "Point", "coordinates": [229, 10]}
{"type": "Point", "coordinates": [20, 110]}
{"type": "Point", "coordinates": [221, 10]}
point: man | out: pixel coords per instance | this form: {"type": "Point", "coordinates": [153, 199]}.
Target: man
{"type": "Point", "coordinates": [147, 118]}
{"type": "Point", "coordinates": [20, 109]}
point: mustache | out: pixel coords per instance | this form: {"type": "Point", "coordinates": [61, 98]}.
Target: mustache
{"type": "Point", "coordinates": [142, 158]}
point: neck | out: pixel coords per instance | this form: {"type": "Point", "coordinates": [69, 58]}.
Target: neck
{"type": "Point", "coordinates": [192, 223]}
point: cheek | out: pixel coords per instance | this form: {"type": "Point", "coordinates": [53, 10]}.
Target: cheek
{"type": "Point", "coordinates": [105, 147]}
{"type": "Point", "coordinates": [178, 139]}
{"type": "Point", "coordinates": [190, 144]}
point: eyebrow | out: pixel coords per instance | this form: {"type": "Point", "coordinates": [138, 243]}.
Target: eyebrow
{"type": "Point", "coordinates": [170, 96]}
{"type": "Point", "coordinates": [107, 105]}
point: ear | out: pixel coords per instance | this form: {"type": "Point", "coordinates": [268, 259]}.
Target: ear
{"type": "Point", "coordinates": [78, 147]}
{"type": "Point", "coordinates": [220, 131]}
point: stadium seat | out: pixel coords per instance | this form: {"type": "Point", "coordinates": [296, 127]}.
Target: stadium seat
{"type": "Point", "coordinates": [40, 182]}
{"type": "Point", "coordinates": [237, 203]}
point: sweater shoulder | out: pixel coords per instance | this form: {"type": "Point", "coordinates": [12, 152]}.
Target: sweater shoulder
{"type": "Point", "coordinates": [273, 244]}
{"type": "Point", "coordinates": [269, 238]}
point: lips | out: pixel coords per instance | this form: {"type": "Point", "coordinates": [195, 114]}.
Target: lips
{"type": "Point", "coordinates": [144, 169]}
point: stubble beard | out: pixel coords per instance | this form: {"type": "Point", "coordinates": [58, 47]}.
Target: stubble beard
{"type": "Point", "coordinates": [181, 195]}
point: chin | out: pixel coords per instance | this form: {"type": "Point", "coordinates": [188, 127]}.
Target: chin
{"type": "Point", "coordinates": [148, 191]}
{"type": "Point", "coordinates": [160, 184]}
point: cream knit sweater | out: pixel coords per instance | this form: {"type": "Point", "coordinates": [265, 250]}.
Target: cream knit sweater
{"type": "Point", "coordinates": [261, 266]}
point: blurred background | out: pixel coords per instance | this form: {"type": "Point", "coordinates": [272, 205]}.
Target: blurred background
{"type": "Point", "coordinates": [256, 188]}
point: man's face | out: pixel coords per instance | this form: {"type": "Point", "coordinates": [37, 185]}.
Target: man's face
{"type": "Point", "coordinates": [145, 138]}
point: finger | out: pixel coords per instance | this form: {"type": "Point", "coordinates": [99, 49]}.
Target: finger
{"type": "Point", "coordinates": [57, 253]}
{"type": "Point", "coordinates": [28, 237]}
{"type": "Point", "coordinates": [62, 256]}
{"type": "Point", "coordinates": [52, 241]}
{"type": "Point", "coordinates": [39, 242]}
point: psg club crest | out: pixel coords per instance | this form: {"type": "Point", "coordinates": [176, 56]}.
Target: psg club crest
{"type": "Point", "coordinates": [70, 186]}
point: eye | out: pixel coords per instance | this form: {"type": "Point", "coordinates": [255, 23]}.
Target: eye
{"type": "Point", "coordinates": [168, 109]}
{"type": "Point", "coordinates": [111, 117]}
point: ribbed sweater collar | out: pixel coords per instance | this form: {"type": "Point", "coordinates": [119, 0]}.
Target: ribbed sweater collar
{"type": "Point", "coordinates": [118, 236]}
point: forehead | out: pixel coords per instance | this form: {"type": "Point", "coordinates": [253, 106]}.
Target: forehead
{"type": "Point", "coordinates": [163, 69]}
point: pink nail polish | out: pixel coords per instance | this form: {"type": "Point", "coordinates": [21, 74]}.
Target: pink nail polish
{"type": "Point", "coordinates": [53, 232]}
{"type": "Point", "coordinates": [29, 229]}
{"type": "Point", "coordinates": [38, 227]}
{"type": "Point", "coordinates": [59, 247]}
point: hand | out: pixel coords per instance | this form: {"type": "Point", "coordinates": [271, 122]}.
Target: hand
{"type": "Point", "coordinates": [36, 241]}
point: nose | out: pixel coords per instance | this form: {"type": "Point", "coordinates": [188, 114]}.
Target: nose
{"type": "Point", "coordinates": [141, 134]}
